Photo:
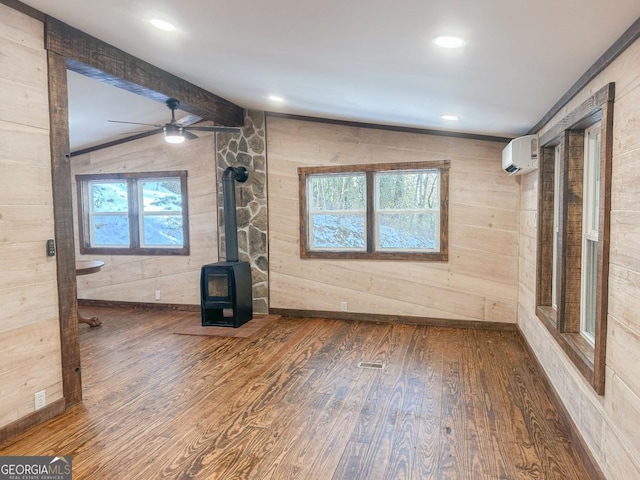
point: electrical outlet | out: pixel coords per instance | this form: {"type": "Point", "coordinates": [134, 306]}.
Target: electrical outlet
{"type": "Point", "coordinates": [343, 306]}
{"type": "Point", "coordinates": [157, 294]}
{"type": "Point", "coordinates": [40, 399]}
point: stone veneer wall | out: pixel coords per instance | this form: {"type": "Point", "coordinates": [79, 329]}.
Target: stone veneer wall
{"type": "Point", "coordinates": [248, 149]}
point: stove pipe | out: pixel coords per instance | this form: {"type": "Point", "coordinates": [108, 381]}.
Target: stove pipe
{"type": "Point", "coordinates": [240, 175]}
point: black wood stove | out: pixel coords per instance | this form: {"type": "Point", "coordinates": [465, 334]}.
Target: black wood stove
{"type": "Point", "coordinates": [225, 287]}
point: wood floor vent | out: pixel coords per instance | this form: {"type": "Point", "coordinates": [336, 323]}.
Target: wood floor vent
{"type": "Point", "coordinates": [371, 365]}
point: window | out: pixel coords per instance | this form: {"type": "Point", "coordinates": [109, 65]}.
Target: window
{"type": "Point", "coordinates": [590, 214]}
{"type": "Point", "coordinates": [133, 213]}
{"type": "Point", "coordinates": [337, 212]}
{"type": "Point", "coordinates": [388, 211]}
{"type": "Point", "coordinates": [556, 229]}
{"type": "Point", "coordinates": [573, 233]}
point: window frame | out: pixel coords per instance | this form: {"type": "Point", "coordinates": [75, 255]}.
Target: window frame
{"type": "Point", "coordinates": [590, 228]}
{"type": "Point", "coordinates": [371, 253]}
{"type": "Point", "coordinates": [564, 323]}
{"type": "Point", "coordinates": [135, 213]}
{"type": "Point", "coordinates": [556, 228]}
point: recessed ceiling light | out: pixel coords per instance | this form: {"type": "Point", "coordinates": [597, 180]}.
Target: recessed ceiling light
{"type": "Point", "coordinates": [450, 117]}
{"type": "Point", "coordinates": [276, 98]}
{"type": "Point", "coordinates": [448, 41]}
{"type": "Point", "coordinates": [162, 25]}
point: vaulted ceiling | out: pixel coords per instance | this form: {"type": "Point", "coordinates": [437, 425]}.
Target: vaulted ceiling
{"type": "Point", "coordinates": [367, 61]}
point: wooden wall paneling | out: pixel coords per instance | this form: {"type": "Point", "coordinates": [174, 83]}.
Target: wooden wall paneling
{"type": "Point", "coordinates": [489, 189]}
{"type": "Point", "coordinates": [487, 217]}
{"type": "Point", "coordinates": [29, 331]}
{"type": "Point", "coordinates": [626, 140]}
{"type": "Point", "coordinates": [122, 70]}
{"type": "Point", "coordinates": [624, 346]}
{"type": "Point", "coordinates": [480, 264]}
{"type": "Point", "coordinates": [607, 423]}
{"type": "Point", "coordinates": [624, 290]}
{"type": "Point", "coordinates": [29, 108]}
{"type": "Point", "coordinates": [43, 341]}
{"type": "Point", "coordinates": [20, 254]}
{"type": "Point", "coordinates": [529, 191]}
{"type": "Point", "coordinates": [478, 281]}
{"type": "Point", "coordinates": [625, 239]}
{"type": "Point", "coordinates": [490, 240]}
{"type": "Point", "coordinates": [527, 270]}
{"type": "Point", "coordinates": [24, 223]}
{"type": "Point", "coordinates": [624, 404]}
{"type": "Point", "coordinates": [619, 463]}
{"type": "Point", "coordinates": [24, 63]}
{"type": "Point", "coordinates": [626, 176]}
{"type": "Point", "coordinates": [388, 282]}
{"type": "Point", "coordinates": [19, 21]}
{"type": "Point", "coordinates": [24, 184]}
{"type": "Point", "coordinates": [17, 311]}
{"type": "Point", "coordinates": [624, 73]}
{"type": "Point", "coordinates": [64, 237]}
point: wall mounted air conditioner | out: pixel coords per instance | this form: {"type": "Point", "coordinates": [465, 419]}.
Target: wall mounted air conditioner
{"type": "Point", "coordinates": [520, 155]}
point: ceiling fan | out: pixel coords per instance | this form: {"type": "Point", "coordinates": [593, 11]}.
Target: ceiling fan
{"type": "Point", "coordinates": [176, 131]}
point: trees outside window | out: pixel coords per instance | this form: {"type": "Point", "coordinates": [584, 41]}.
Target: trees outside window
{"type": "Point", "coordinates": [133, 213]}
{"type": "Point", "coordinates": [388, 211]}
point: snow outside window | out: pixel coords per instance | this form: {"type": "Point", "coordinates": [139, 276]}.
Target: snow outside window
{"type": "Point", "coordinates": [383, 211]}
{"type": "Point", "coordinates": [133, 213]}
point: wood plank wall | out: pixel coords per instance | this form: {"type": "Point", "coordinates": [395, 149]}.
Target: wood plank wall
{"type": "Point", "coordinates": [134, 278]}
{"type": "Point", "coordinates": [479, 282]}
{"type": "Point", "coordinates": [29, 328]}
{"type": "Point", "coordinates": [610, 424]}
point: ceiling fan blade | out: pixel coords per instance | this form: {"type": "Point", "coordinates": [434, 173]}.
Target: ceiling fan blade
{"type": "Point", "coordinates": [188, 120]}
{"type": "Point", "coordinates": [134, 123]}
{"type": "Point", "coordinates": [139, 131]}
{"type": "Point", "coordinates": [215, 129]}
{"type": "Point", "coordinates": [189, 135]}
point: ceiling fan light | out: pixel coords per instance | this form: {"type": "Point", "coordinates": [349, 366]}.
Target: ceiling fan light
{"type": "Point", "coordinates": [449, 41]}
{"type": "Point", "coordinates": [173, 134]}
{"type": "Point", "coordinates": [162, 25]}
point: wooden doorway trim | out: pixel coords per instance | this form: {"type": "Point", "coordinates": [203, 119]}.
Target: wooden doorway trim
{"type": "Point", "coordinates": [69, 48]}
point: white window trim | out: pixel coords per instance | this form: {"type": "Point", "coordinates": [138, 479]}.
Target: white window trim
{"type": "Point", "coordinates": [556, 226]}
{"type": "Point", "coordinates": [590, 216]}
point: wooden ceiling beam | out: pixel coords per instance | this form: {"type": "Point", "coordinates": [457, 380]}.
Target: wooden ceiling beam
{"type": "Point", "coordinates": [96, 59]}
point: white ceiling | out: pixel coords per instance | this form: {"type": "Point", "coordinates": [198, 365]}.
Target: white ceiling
{"type": "Point", "coordinates": [360, 60]}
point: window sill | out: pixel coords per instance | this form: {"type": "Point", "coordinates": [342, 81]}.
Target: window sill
{"type": "Point", "coordinates": [398, 256]}
{"type": "Point", "coordinates": [134, 251]}
{"type": "Point", "coordinates": [579, 351]}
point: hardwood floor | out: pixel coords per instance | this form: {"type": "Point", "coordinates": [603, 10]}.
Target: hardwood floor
{"type": "Point", "coordinates": [291, 402]}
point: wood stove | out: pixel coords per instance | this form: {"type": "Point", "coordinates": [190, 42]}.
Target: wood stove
{"type": "Point", "coordinates": [226, 294]}
{"type": "Point", "coordinates": [225, 287]}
